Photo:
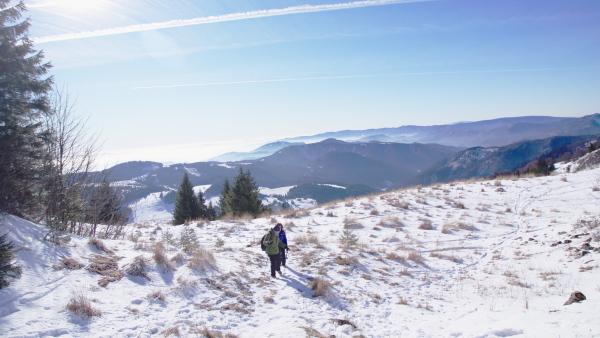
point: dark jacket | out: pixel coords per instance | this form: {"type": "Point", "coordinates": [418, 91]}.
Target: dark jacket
{"type": "Point", "coordinates": [282, 237]}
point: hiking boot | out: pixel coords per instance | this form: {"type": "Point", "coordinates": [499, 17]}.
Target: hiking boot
{"type": "Point", "coordinates": [279, 272]}
{"type": "Point", "coordinates": [273, 276]}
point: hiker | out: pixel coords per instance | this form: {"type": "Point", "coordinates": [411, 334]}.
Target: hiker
{"type": "Point", "coordinates": [283, 240]}
{"type": "Point", "coordinates": [272, 244]}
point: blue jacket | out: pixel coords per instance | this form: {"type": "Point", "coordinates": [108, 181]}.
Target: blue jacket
{"type": "Point", "coordinates": [282, 237]}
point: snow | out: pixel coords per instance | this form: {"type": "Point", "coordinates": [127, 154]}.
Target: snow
{"type": "Point", "coordinates": [334, 186]}
{"type": "Point", "coordinates": [192, 171]}
{"type": "Point", "coordinates": [282, 191]}
{"type": "Point", "coordinates": [152, 207]}
{"type": "Point", "coordinates": [501, 266]}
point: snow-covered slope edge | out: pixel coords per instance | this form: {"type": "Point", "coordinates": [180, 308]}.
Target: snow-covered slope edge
{"type": "Point", "coordinates": [482, 259]}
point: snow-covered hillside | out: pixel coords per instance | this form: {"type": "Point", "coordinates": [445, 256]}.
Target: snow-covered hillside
{"type": "Point", "coordinates": [480, 259]}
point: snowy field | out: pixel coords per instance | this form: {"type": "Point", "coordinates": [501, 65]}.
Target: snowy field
{"type": "Point", "coordinates": [479, 259]}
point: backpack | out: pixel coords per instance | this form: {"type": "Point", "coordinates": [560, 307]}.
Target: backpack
{"type": "Point", "coordinates": [262, 244]}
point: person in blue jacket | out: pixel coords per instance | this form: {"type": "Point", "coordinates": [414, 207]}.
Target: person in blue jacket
{"type": "Point", "coordinates": [283, 240]}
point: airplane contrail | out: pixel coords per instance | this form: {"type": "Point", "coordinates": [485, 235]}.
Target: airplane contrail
{"type": "Point", "coordinates": [219, 18]}
{"type": "Point", "coordinates": [362, 76]}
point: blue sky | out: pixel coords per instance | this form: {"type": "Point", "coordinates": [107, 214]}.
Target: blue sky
{"type": "Point", "coordinates": [185, 80]}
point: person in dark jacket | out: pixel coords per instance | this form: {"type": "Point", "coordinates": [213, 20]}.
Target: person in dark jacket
{"type": "Point", "coordinates": [283, 240]}
{"type": "Point", "coordinates": [273, 247]}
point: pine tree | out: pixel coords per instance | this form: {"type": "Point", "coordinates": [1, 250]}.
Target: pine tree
{"type": "Point", "coordinates": [243, 197]}
{"type": "Point", "coordinates": [223, 200]}
{"type": "Point", "coordinates": [202, 209]}
{"type": "Point", "coordinates": [7, 268]}
{"type": "Point", "coordinates": [186, 204]}
{"type": "Point", "coordinates": [211, 212]}
{"type": "Point", "coordinates": [23, 102]}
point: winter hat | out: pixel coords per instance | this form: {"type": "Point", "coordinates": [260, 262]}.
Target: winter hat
{"type": "Point", "coordinates": [277, 228]}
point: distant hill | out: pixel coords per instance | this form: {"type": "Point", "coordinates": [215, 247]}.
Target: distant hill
{"type": "Point", "coordinates": [489, 133]}
{"type": "Point", "coordinates": [376, 165]}
{"type": "Point", "coordinates": [263, 151]}
{"type": "Point", "coordinates": [483, 162]}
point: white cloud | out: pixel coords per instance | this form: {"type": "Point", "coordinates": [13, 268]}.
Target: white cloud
{"type": "Point", "coordinates": [219, 18]}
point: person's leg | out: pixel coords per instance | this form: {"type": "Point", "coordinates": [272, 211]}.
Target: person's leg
{"type": "Point", "coordinates": [282, 257]}
{"type": "Point", "coordinates": [274, 267]}
{"type": "Point", "coordinates": [277, 262]}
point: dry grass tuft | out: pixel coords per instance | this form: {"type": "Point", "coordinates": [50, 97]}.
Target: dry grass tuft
{"type": "Point", "coordinates": [321, 286]}
{"type": "Point", "coordinates": [390, 222]}
{"type": "Point", "coordinates": [307, 239]}
{"type": "Point", "coordinates": [202, 260]}
{"type": "Point", "coordinates": [138, 267]}
{"type": "Point", "coordinates": [71, 264]}
{"type": "Point", "coordinates": [107, 267]}
{"type": "Point", "coordinates": [160, 257]}
{"type": "Point", "coordinates": [392, 256]}
{"type": "Point", "coordinates": [80, 305]}
{"type": "Point", "coordinates": [311, 332]}
{"type": "Point", "coordinates": [100, 245]}
{"type": "Point", "coordinates": [346, 260]}
{"type": "Point", "coordinates": [426, 224]}
{"type": "Point", "coordinates": [171, 331]}
{"type": "Point", "coordinates": [157, 295]}
{"type": "Point", "coordinates": [415, 257]}
{"type": "Point", "coordinates": [350, 223]}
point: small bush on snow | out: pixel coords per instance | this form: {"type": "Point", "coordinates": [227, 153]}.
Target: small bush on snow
{"type": "Point", "coordinates": [80, 305]}
{"type": "Point", "coordinates": [202, 259]}
{"type": "Point", "coordinates": [320, 285]}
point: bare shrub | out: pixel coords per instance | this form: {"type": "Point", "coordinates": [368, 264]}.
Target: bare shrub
{"type": "Point", "coordinates": [426, 224]}
{"type": "Point", "coordinates": [107, 267]}
{"type": "Point", "coordinates": [171, 331]}
{"type": "Point", "coordinates": [307, 239]}
{"type": "Point", "coordinates": [320, 285]}
{"type": "Point", "coordinates": [459, 205]}
{"type": "Point", "coordinates": [466, 226]}
{"type": "Point", "coordinates": [308, 258]}
{"type": "Point", "coordinates": [346, 260]}
{"type": "Point", "coordinates": [402, 301]}
{"type": "Point", "coordinates": [390, 222]}
{"type": "Point", "coordinates": [205, 332]}
{"type": "Point", "coordinates": [80, 305]}
{"type": "Point", "coordinates": [592, 225]}
{"type": "Point", "coordinates": [133, 310]}
{"type": "Point", "coordinates": [138, 267]}
{"type": "Point", "coordinates": [160, 257]}
{"type": "Point", "coordinates": [296, 214]}
{"type": "Point", "coordinates": [350, 223]}
{"type": "Point", "coordinates": [415, 257]}
{"type": "Point", "coordinates": [268, 299]}
{"type": "Point", "coordinates": [405, 272]}
{"type": "Point", "coordinates": [134, 236]}
{"type": "Point", "coordinates": [157, 295]}
{"type": "Point", "coordinates": [342, 322]}
{"type": "Point", "coordinates": [99, 245]}
{"type": "Point", "coordinates": [392, 256]}
{"type": "Point", "coordinates": [374, 212]}
{"type": "Point", "coordinates": [180, 258]}
{"type": "Point", "coordinates": [202, 259]}
{"type": "Point", "coordinates": [446, 228]}
{"type": "Point", "coordinates": [312, 332]}
{"type": "Point", "coordinates": [71, 264]}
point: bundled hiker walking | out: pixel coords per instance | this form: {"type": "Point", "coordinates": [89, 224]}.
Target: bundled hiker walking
{"type": "Point", "coordinates": [274, 246]}
{"type": "Point", "coordinates": [283, 240]}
